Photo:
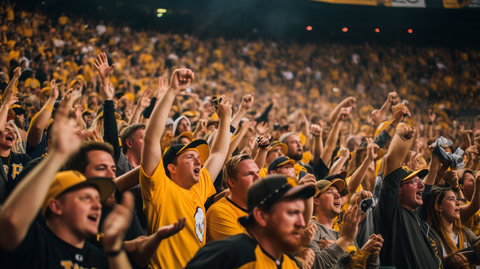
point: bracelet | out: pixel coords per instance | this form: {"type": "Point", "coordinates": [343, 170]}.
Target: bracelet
{"type": "Point", "coordinates": [477, 194]}
{"type": "Point", "coordinates": [458, 188]}
{"type": "Point", "coordinates": [395, 128]}
{"type": "Point", "coordinates": [114, 253]}
{"type": "Point", "coordinates": [401, 137]}
{"type": "Point", "coordinates": [315, 135]}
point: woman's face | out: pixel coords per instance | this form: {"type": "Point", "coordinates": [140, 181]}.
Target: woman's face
{"type": "Point", "coordinates": [450, 207]}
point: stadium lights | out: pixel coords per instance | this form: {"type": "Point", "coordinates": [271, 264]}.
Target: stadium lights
{"type": "Point", "coordinates": [344, 29]}
{"type": "Point", "coordinates": [335, 89]}
{"type": "Point", "coordinates": [309, 28]}
{"type": "Point", "coordinates": [377, 30]}
{"type": "Point", "coordinates": [410, 31]}
{"type": "Point", "coordinates": [160, 12]}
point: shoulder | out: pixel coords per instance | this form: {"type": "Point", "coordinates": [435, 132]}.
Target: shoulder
{"type": "Point", "coordinates": [232, 252]}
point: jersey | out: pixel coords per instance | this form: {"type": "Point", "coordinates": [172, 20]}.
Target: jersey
{"type": "Point", "coordinates": [222, 219]}
{"type": "Point", "coordinates": [164, 203]}
{"type": "Point", "coordinates": [41, 248]}
{"type": "Point", "coordinates": [238, 251]}
{"type": "Point", "coordinates": [12, 166]}
{"type": "Point", "coordinates": [263, 172]}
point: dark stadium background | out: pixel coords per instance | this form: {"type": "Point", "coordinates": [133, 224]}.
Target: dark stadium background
{"type": "Point", "coordinates": [285, 19]}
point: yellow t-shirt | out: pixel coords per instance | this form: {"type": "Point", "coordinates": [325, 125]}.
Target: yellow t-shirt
{"type": "Point", "coordinates": [32, 83]}
{"type": "Point", "coordinates": [263, 172]}
{"type": "Point", "coordinates": [164, 203]}
{"type": "Point", "coordinates": [297, 167]}
{"type": "Point", "coordinates": [222, 219]}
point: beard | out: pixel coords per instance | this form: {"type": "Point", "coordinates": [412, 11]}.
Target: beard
{"type": "Point", "coordinates": [297, 155]}
{"type": "Point", "coordinates": [282, 238]}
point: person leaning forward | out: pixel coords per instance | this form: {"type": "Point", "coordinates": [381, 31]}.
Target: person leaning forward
{"type": "Point", "coordinates": [274, 227]}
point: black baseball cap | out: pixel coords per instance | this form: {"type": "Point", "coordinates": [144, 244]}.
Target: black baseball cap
{"type": "Point", "coordinates": [199, 146]}
{"type": "Point", "coordinates": [405, 173]}
{"type": "Point", "coordinates": [283, 160]}
{"type": "Point", "coordinates": [17, 108]}
{"type": "Point", "coordinates": [270, 190]}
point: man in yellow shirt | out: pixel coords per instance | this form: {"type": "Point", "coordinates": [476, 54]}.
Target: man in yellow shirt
{"type": "Point", "coordinates": [177, 186]}
{"type": "Point", "coordinates": [32, 82]}
{"type": "Point", "coordinates": [238, 174]}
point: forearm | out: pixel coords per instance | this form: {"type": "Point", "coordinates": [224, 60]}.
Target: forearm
{"type": "Point", "coordinates": [238, 117]}
{"type": "Point", "coordinates": [9, 88]}
{"type": "Point", "coordinates": [358, 176]}
{"type": "Point", "coordinates": [234, 144]}
{"type": "Point", "coordinates": [317, 148]}
{"type": "Point", "coordinates": [127, 180]}
{"type": "Point", "coordinates": [334, 114]}
{"type": "Point", "coordinates": [110, 128]}
{"type": "Point", "coordinates": [3, 117]}
{"type": "Point", "coordinates": [469, 210]}
{"type": "Point", "coordinates": [432, 172]}
{"type": "Point", "coordinates": [397, 152]}
{"type": "Point", "coordinates": [136, 115]}
{"type": "Point", "coordinates": [219, 148]}
{"type": "Point", "coordinates": [331, 142]}
{"type": "Point", "coordinates": [119, 262]}
{"type": "Point", "coordinates": [23, 204]}
{"type": "Point", "coordinates": [146, 249]}
{"type": "Point", "coordinates": [382, 112]}
{"type": "Point", "coordinates": [337, 166]}
{"type": "Point", "coordinates": [260, 158]}
{"type": "Point", "coordinates": [39, 122]}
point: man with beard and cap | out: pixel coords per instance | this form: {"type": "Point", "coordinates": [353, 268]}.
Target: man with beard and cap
{"type": "Point", "coordinates": [273, 228]}
{"type": "Point", "coordinates": [295, 151]}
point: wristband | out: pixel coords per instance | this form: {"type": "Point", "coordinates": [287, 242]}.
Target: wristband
{"type": "Point", "coordinates": [458, 188]}
{"type": "Point", "coordinates": [114, 253]}
{"type": "Point", "coordinates": [232, 129]}
{"type": "Point", "coordinates": [401, 137]}
{"type": "Point", "coordinates": [263, 146]}
{"type": "Point", "coordinates": [395, 128]}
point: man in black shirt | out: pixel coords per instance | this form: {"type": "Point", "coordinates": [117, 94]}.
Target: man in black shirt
{"type": "Point", "coordinates": [72, 206]}
{"type": "Point", "coordinates": [274, 227]}
{"type": "Point", "coordinates": [409, 241]}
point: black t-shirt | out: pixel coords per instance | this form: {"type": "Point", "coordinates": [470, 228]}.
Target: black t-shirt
{"type": "Point", "coordinates": [238, 251]}
{"type": "Point", "coordinates": [409, 241]}
{"type": "Point", "coordinates": [41, 248]}
{"type": "Point", "coordinates": [12, 166]}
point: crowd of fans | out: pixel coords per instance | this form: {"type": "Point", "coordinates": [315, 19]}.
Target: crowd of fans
{"type": "Point", "coordinates": [123, 148]}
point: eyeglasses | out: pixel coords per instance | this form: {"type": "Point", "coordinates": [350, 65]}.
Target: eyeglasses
{"type": "Point", "coordinates": [414, 182]}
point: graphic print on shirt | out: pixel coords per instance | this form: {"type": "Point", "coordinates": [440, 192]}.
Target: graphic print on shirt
{"type": "Point", "coordinates": [199, 223]}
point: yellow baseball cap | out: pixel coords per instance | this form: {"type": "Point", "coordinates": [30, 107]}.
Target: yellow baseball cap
{"type": "Point", "coordinates": [67, 180]}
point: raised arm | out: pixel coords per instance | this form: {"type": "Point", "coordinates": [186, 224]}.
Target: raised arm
{"type": "Point", "coordinates": [337, 166]}
{"type": "Point", "coordinates": [9, 89]}
{"type": "Point", "coordinates": [219, 148]}
{"type": "Point", "coordinates": [317, 145]}
{"type": "Point", "coordinates": [359, 174]}
{"type": "Point", "coordinates": [333, 136]}
{"type": "Point", "coordinates": [400, 146]}
{"type": "Point", "coordinates": [7, 103]}
{"type": "Point", "coordinates": [23, 204]}
{"type": "Point", "coordinates": [39, 122]}
{"type": "Point", "coordinates": [379, 115]}
{"type": "Point", "coordinates": [247, 103]}
{"type": "Point", "coordinates": [348, 102]}
{"type": "Point", "coordinates": [143, 103]}
{"type": "Point", "coordinates": [264, 146]}
{"type": "Point", "coordinates": [152, 151]}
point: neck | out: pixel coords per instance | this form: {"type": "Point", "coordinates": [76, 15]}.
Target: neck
{"type": "Point", "coordinates": [447, 225]}
{"type": "Point", "coordinates": [238, 200]}
{"type": "Point", "coordinates": [64, 233]}
{"type": "Point", "coordinates": [324, 220]}
{"type": "Point", "coordinates": [182, 183]}
{"type": "Point", "coordinates": [5, 152]}
{"type": "Point", "coordinates": [133, 159]}
{"type": "Point", "coordinates": [270, 246]}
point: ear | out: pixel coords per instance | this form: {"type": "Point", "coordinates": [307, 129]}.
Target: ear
{"type": "Point", "coordinates": [272, 172]}
{"type": "Point", "coordinates": [260, 216]}
{"type": "Point", "coordinates": [438, 208]}
{"type": "Point", "coordinates": [55, 206]}
{"type": "Point", "coordinates": [231, 183]}
{"type": "Point", "coordinates": [172, 168]}
{"type": "Point", "coordinates": [316, 201]}
{"type": "Point", "coordinates": [128, 143]}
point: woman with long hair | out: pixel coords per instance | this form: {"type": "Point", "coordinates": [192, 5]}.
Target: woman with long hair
{"type": "Point", "coordinates": [443, 209]}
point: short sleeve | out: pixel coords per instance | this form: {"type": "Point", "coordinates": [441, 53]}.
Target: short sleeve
{"type": "Point", "coordinates": [221, 223]}
{"type": "Point", "coordinates": [154, 186]}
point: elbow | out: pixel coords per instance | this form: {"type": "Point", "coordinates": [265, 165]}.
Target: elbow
{"type": "Point", "coordinates": [9, 238]}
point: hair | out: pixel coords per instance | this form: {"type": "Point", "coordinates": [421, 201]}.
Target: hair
{"type": "Point", "coordinates": [435, 220]}
{"type": "Point", "coordinates": [17, 147]}
{"type": "Point", "coordinates": [128, 132]}
{"type": "Point", "coordinates": [230, 169]}
{"type": "Point", "coordinates": [97, 125]}
{"type": "Point", "coordinates": [79, 161]}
